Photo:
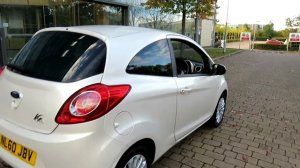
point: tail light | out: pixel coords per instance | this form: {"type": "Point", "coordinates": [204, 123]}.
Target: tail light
{"type": "Point", "coordinates": [90, 103]}
{"type": "Point", "coordinates": [1, 70]}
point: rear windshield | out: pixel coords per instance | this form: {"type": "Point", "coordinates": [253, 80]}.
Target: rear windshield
{"type": "Point", "coordinates": [60, 56]}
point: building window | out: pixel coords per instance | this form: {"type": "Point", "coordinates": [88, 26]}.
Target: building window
{"type": "Point", "coordinates": [90, 13]}
{"type": "Point", "coordinates": [21, 20]}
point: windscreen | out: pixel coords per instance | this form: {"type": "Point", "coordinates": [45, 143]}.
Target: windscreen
{"type": "Point", "coordinates": [60, 56]}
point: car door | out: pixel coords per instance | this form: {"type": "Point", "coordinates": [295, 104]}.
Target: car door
{"type": "Point", "coordinates": [196, 87]}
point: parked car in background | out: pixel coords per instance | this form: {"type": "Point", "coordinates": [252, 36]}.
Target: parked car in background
{"type": "Point", "coordinates": [105, 96]}
{"type": "Point", "coordinates": [276, 42]}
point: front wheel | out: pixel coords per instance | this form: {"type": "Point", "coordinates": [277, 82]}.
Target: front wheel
{"type": "Point", "coordinates": [218, 115]}
{"type": "Point", "coordinates": [135, 158]}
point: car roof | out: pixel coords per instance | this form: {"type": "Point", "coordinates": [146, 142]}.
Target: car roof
{"type": "Point", "coordinates": [122, 42]}
{"type": "Point", "coordinates": [109, 31]}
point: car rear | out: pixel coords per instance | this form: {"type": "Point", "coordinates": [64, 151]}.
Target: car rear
{"type": "Point", "coordinates": [56, 79]}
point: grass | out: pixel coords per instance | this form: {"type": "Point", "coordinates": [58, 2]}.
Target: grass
{"type": "Point", "coordinates": [218, 52]}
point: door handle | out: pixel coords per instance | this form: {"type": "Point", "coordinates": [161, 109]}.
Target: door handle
{"type": "Point", "coordinates": [185, 90]}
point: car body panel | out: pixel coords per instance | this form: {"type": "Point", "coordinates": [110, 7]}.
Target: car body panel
{"type": "Point", "coordinates": [276, 42]}
{"type": "Point", "coordinates": [153, 109]}
{"type": "Point", "coordinates": [152, 99]}
{"type": "Point", "coordinates": [85, 142]}
{"type": "Point", "coordinates": [194, 103]}
{"type": "Point", "coordinates": [195, 92]}
{"type": "Point", "coordinates": [152, 105]}
{"type": "Point", "coordinates": [37, 98]}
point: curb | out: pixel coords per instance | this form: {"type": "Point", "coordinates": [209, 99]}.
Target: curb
{"type": "Point", "coordinates": [277, 51]}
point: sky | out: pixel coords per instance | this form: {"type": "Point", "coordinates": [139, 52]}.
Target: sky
{"type": "Point", "coordinates": [258, 11]}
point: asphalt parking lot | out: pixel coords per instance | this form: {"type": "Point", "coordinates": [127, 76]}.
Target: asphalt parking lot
{"type": "Point", "coordinates": [261, 127]}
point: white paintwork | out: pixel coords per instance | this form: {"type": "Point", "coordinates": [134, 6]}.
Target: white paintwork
{"type": "Point", "coordinates": [38, 98]}
{"type": "Point", "coordinates": [124, 123]}
{"type": "Point", "coordinates": [153, 108]}
{"type": "Point", "coordinates": [194, 106]}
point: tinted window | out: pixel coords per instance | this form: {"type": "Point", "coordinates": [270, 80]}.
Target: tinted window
{"type": "Point", "coordinates": [60, 56]}
{"type": "Point", "coordinates": [188, 59]}
{"type": "Point", "coordinates": [154, 59]}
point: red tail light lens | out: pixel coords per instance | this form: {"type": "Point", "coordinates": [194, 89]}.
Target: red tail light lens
{"type": "Point", "coordinates": [91, 103]}
{"type": "Point", "coordinates": [85, 103]}
{"type": "Point", "coordinates": [1, 70]}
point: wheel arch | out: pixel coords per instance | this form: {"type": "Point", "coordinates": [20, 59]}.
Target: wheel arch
{"type": "Point", "coordinates": [224, 93]}
{"type": "Point", "coordinates": [148, 143]}
{"type": "Point", "coordinates": [222, 89]}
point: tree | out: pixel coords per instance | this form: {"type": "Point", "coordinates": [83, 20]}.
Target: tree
{"type": "Point", "coordinates": [135, 15]}
{"type": "Point", "coordinates": [246, 28]}
{"type": "Point", "coordinates": [155, 19]}
{"type": "Point", "coordinates": [188, 8]}
{"type": "Point", "coordinates": [284, 33]}
{"type": "Point", "coordinates": [268, 30]}
{"type": "Point", "coordinates": [235, 30]}
{"type": "Point", "coordinates": [135, 11]}
{"type": "Point", "coordinates": [293, 22]}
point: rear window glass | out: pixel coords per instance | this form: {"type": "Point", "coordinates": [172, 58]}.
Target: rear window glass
{"type": "Point", "coordinates": [60, 56]}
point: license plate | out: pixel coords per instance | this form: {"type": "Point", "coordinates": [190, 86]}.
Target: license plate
{"type": "Point", "coordinates": [27, 155]}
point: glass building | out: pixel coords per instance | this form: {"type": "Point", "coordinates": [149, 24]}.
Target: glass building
{"type": "Point", "coordinates": [20, 19]}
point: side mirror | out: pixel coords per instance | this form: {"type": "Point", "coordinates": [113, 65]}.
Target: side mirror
{"type": "Point", "coordinates": [218, 69]}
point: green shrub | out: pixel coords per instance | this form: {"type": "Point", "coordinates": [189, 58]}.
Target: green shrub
{"type": "Point", "coordinates": [280, 39]}
{"type": "Point", "coordinates": [265, 38]}
{"type": "Point", "coordinates": [269, 47]}
{"type": "Point", "coordinates": [232, 40]}
{"type": "Point", "coordinates": [274, 47]}
{"type": "Point", "coordinates": [294, 47]}
{"type": "Point", "coordinates": [261, 38]}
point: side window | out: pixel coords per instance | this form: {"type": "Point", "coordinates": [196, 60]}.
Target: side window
{"type": "Point", "coordinates": [154, 59]}
{"type": "Point", "coordinates": [188, 59]}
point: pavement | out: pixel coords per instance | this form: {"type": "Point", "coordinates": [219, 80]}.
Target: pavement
{"type": "Point", "coordinates": [261, 126]}
{"type": "Point", "coordinates": [245, 45]}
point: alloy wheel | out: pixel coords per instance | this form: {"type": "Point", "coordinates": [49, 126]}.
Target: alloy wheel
{"type": "Point", "coordinates": [137, 161]}
{"type": "Point", "coordinates": [220, 110]}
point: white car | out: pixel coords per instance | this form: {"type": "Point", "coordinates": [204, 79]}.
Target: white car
{"type": "Point", "coordinates": [105, 96]}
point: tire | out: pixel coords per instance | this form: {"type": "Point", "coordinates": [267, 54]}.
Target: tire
{"type": "Point", "coordinates": [218, 115]}
{"type": "Point", "coordinates": [138, 154]}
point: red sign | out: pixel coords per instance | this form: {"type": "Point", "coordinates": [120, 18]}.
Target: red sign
{"type": "Point", "coordinates": [294, 37]}
{"type": "Point", "coordinates": [245, 36]}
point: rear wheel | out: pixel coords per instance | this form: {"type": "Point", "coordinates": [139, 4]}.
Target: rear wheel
{"type": "Point", "coordinates": [218, 115]}
{"type": "Point", "coordinates": [137, 157]}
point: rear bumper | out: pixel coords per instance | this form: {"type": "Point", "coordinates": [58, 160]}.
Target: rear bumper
{"type": "Point", "coordinates": [61, 149]}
